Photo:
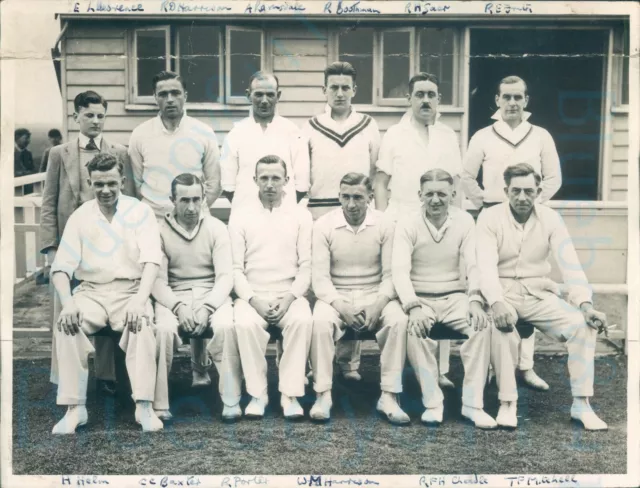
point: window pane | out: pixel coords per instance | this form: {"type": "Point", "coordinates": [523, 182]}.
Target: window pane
{"type": "Point", "coordinates": [395, 64]}
{"type": "Point", "coordinates": [624, 96]}
{"type": "Point", "coordinates": [356, 47]}
{"type": "Point", "coordinates": [200, 62]}
{"type": "Point", "coordinates": [151, 58]}
{"type": "Point", "coordinates": [436, 57]}
{"type": "Point", "coordinates": [245, 51]}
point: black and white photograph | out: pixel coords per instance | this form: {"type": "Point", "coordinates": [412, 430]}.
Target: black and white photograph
{"type": "Point", "coordinates": [289, 243]}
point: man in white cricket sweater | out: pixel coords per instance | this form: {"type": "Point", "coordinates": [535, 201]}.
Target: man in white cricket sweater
{"type": "Point", "coordinates": [341, 141]}
{"type": "Point", "coordinates": [271, 244]}
{"type": "Point", "coordinates": [263, 133]}
{"type": "Point", "coordinates": [418, 143]}
{"type": "Point", "coordinates": [192, 293]}
{"type": "Point", "coordinates": [351, 276]}
{"type": "Point", "coordinates": [511, 139]}
{"type": "Point", "coordinates": [112, 245]}
{"type": "Point", "coordinates": [428, 247]}
{"type": "Point", "coordinates": [515, 239]}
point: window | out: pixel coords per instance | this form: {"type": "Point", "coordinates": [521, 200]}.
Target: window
{"type": "Point", "coordinates": [621, 66]}
{"type": "Point", "coordinates": [199, 59]}
{"type": "Point", "coordinates": [151, 48]}
{"type": "Point", "coordinates": [215, 61]}
{"type": "Point", "coordinates": [385, 59]}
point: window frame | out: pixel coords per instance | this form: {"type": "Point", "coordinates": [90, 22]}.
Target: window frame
{"type": "Point", "coordinates": [228, 98]}
{"type": "Point", "coordinates": [620, 36]}
{"type": "Point", "coordinates": [133, 60]}
{"type": "Point", "coordinates": [379, 103]}
{"type": "Point", "coordinates": [221, 62]}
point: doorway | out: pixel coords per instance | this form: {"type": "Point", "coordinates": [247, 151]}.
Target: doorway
{"type": "Point", "coordinates": [564, 70]}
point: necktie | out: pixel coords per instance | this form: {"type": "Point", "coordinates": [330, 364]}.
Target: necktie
{"type": "Point", "coordinates": [91, 145]}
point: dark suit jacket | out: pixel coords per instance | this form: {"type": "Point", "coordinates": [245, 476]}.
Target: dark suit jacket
{"type": "Point", "coordinates": [61, 194]}
{"type": "Point", "coordinates": [23, 163]}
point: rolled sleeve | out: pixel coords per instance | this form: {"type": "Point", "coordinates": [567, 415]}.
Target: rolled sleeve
{"type": "Point", "coordinates": [148, 237]}
{"type": "Point", "coordinates": [385, 156]}
{"type": "Point", "coordinates": [69, 252]}
{"type": "Point", "coordinates": [302, 281]}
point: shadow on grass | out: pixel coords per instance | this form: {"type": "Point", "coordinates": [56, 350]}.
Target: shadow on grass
{"type": "Point", "coordinates": [356, 440]}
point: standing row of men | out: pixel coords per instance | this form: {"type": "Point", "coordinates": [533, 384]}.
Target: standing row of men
{"type": "Point", "coordinates": [174, 144]}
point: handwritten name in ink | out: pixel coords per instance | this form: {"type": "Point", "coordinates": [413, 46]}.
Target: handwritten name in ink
{"type": "Point", "coordinates": [190, 7]}
{"type": "Point", "coordinates": [260, 8]}
{"type": "Point", "coordinates": [236, 481]}
{"type": "Point", "coordinates": [83, 481]}
{"type": "Point", "coordinates": [424, 8]}
{"type": "Point", "coordinates": [109, 7]}
{"type": "Point", "coordinates": [556, 480]}
{"type": "Point", "coordinates": [328, 481]}
{"type": "Point", "coordinates": [166, 481]}
{"type": "Point", "coordinates": [342, 8]}
{"type": "Point", "coordinates": [475, 480]}
{"type": "Point", "coordinates": [507, 8]}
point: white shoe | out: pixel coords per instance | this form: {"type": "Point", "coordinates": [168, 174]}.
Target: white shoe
{"type": "Point", "coordinates": [432, 416]}
{"type": "Point", "coordinates": [507, 415]}
{"type": "Point", "coordinates": [163, 415]}
{"type": "Point", "coordinates": [200, 379]}
{"type": "Point", "coordinates": [390, 407]}
{"type": "Point", "coordinates": [351, 376]}
{"type": "Point", "coordinates": [75, 417]}
{"type": "Point", "coordinates": [532, 380]}
{"type": "Point", "coordinates": [147, 418]}
{"type": "Point", "coordinates": [290, 407]}
{"type": "Point", "coordinates": [255, 409]}
{"type": "Point", "coordinates": [231, 414]}
{"type": "Point", "coordinates": [445, 382]}
{"type": "Point", "coordinates": [321, 410]}
{"type": "Point", "coordinates": [583, 413]}
{"type": "Point", "coordinates": [480, 418]}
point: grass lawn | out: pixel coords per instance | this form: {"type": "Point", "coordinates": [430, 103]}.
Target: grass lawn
{"type": "Point", "coordinates": [356, 440]}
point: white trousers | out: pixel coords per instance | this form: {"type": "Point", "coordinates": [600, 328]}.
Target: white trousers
{"type": "Point", "coordinates": [451, 310]}
{"type": "Point", "coordinates": [251, 330]}
{"type": "Point", "coordinates": [102, 305]}
{"type": "Point", "coordinates": [223, 348]}
{"type": "Point", "coordinates": [328, 329]}
{"type": "Point", "coordinates": [558, 320]}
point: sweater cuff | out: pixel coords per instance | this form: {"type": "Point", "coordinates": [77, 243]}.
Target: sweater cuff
{"type": "Point", "coordinates": [476, 296]}
{"type": "Point", "coordinates": [174, 309]}
{"type": "Point", "coordinates": [412, 304]}
{"type": "Point", "coordinates": [209, 307]}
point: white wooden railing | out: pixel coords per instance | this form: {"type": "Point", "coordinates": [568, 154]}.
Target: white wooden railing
{"type": "Point", "coordinates": [27, 226]}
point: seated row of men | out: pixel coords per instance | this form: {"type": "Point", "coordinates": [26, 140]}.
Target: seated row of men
{"type": "Point", "coordinates": [396, 280]}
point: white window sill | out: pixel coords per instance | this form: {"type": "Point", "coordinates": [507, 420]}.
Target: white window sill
{"type": "Point", "coordinates": [620, 109]}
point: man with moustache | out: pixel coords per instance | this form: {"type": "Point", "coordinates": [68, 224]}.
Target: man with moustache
{"type": "Point", "coordinates": [111, 245]}
{"type": "Point", "coordinates": [271, 244]}
{"type": "Point", "coordinates": [66, 188]}
{"type": "Point", "coordinates": [341, 141]}
{"type": "Point", "coordinates": [515, 239]}
{"type": "Point", "coordinates": [430, 244]}
{"type": "Point", "coordinates": [192, 293]}
{"type": "Point", "coordinates": [418, 143]}
{"type": "Point", "coordinates": [352, 280]}
{"type": "Point", "coordinates": [171, 144]}
{"type": "Point", "coordinates": [263, 133]}
{"type": "Point", "coordinates": [509, 140]}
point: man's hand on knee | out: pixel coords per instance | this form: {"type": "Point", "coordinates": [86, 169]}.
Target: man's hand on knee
{"type": "Point", "coordinates": [349, 314]}
{"type": "Point", "coordinates": [594, 319]}
{"type": "Point", "coordinates": [477, 318]}
{"type": "Point", "coordinates": [135, 312]}
{"type": "Point", "coordinates": [201, 321]}
{"type": "Point", "coordinates": [70, 318]}
{"type": "Point", "coordinates": [419, 323]}
{"type": "Point", "coordinates": [279, 307]}
{"type": "Point", "coordinates": [185, 318]}
{"type": "Point", "coordinates": [502, 317]}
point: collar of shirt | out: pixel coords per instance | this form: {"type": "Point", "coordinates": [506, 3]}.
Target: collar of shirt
{"type": "Point", "coordinates": [95, 208]}
{"type": "Point", "coordinates": [181, 124]}
{"type": "Point", "coordinates": [528, 224]}
{"type": "Point", "coordinates": [339, 221]}
{"type": "Point", "coordinates": [84, 140]}
{"type": "Point", "coordinates": [436, 233]}
{"type": "Point", "coordinates": [505, 130]}
{"type": "Point", "coordinates": [170, 218]}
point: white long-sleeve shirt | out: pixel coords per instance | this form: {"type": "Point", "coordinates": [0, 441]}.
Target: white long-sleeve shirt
{"type": "Point", "coordinates": [247, 142]}
{"type": "Point", "coordinates": [158, 156]}
{"type": "Point", "coordinates": [405, 155]}
{"type": "Point", "coordinates": [99, 251]}
{"type": "Point", "coordinates": [271, 250]}
{"type": "Point", "coordinates": [496, 147]}
{"type": "Point", "coordinates": [509, 252]}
